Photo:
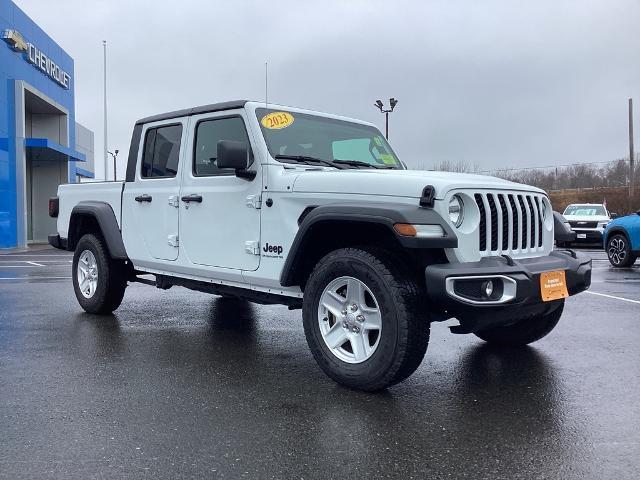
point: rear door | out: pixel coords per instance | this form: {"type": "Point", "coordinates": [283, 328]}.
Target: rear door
{"type": "Point", "coordinates": [150, 204]}
{"type": "Point", "coordinates": [222, 228]}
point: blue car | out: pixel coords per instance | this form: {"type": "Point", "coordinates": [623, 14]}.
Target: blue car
{"type": "Point", "coordinates": [622, 240]}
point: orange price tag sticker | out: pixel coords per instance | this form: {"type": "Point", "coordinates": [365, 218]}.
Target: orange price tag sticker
{"type": "Point", "coordinates": [553, 285]}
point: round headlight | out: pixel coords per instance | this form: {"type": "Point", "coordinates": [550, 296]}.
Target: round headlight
{"type": "Point", "coordinates": [456, 212]}
{"type": "Point", "coordinates": [545, 209]}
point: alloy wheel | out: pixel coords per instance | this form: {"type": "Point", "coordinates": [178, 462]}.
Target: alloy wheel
{"type": "Point", "coordinates": [617, 250]}
{"type": "Point", "coordinates": [87, 274]}
{"type": "Point", "coordinates": [350, 319]}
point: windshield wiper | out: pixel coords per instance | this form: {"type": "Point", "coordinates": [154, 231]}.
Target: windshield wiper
{"type": "Point", "coordinates": [307, 160]}
{"type": "Point", "coordinates": [358, 163]}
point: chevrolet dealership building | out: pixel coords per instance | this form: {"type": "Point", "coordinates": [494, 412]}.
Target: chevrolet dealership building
{"type": "Point", "coordinates": [41, 145]}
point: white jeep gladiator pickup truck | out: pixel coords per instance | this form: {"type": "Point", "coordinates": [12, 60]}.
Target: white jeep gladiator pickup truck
{"type": "Point", "coordinates": [287, 206]}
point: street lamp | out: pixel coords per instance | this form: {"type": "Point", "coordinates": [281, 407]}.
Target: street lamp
{"type": "Point", "coordinates": [392, 103]}
{"type": "Point", "coordinates": [114, 155]}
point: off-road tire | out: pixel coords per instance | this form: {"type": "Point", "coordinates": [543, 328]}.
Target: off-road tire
{"type": "Point", "coordinates": [618, 244]}
{"type": "Point", "coordinates": [405, 322]}
{"type": "Point", "coordinates": [523, 331]}
{"type": "Point", "coordinates": [111, 279]}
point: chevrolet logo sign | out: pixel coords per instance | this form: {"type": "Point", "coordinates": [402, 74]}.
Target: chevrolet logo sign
{"type": "Point", "coordinates": [37, 58]}
{"type": "Point", "coordinates": [15, 40]}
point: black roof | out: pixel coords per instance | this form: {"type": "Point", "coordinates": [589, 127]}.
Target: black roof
{"type": "Point", "coordinates": [214, 107]}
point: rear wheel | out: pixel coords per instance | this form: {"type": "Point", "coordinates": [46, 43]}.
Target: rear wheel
{"type": "Point", "coordinates": [364, 318]}
{"type": "Point", "coordinates": [99, 281]}
{"type": "Point", "coordinates": [525, 331]}
{"type": "Point", "coordinates": [619, 251]}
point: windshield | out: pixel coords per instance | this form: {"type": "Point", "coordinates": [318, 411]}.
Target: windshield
{"type": "Point", "coordinates": [586, 210]}
{"type": "Point", "coordinates": [292, 134]}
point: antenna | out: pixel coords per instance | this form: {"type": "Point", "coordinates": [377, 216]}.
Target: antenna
{"type": "Point", "coordinates": [266, 84]}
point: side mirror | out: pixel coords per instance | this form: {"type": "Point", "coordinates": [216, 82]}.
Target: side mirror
{"type": "Point", "coordinates": [613, 215]}
{"type": "Point", "coordinates": [562, 230]}
{"type": "Point", "coordinates": [234, 155]}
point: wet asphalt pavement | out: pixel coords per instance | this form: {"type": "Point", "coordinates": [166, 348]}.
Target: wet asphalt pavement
{"type": "Point", "coordinates": [180, 384]}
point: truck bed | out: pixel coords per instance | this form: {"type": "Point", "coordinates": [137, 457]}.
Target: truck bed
{"type": "Point", "coordinates": [71, 194]}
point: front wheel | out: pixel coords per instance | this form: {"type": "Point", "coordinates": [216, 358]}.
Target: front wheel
{"type": "Point", "coordinates": [364, 318]}
{"type": "Point", "coordinates": [98, 281]}
{"type": "Point", "coordinates": [619, 251]}
{"type": "Point", "coordinates": [525, 331]}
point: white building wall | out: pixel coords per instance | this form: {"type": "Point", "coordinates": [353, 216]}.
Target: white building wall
{"type": "Point", "coordinates": [84, 144]}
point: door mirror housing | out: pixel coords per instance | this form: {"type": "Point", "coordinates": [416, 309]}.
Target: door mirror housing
{"type": "Point", "coordinates": [232, 154]}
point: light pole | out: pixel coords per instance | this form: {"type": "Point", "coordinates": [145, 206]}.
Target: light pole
{"type": "Point", "coordinates": [106, 158]}
{"type": "Point", "coordinates": [392, 103]}
{"type": "Point", "coordinates": [114, 155]}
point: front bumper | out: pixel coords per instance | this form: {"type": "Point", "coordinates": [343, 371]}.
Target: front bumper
{"type": "Point", "coordinates": [588, 235]}
{"type": "Point", "coordinates": [520, 292]}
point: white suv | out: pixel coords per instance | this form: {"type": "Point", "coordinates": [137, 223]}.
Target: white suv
{"type": "Point", "coordinates": [315, 211]}
{"type": "Point", "coordinates": [587, 220]}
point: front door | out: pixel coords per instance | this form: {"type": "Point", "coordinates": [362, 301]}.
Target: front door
{"type": "Point", "coordinates": [150, 204]}
{"type": "Point", "coordinates": [219, 222]}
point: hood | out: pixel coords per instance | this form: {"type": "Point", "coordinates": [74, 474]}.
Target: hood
{"type": "Point", "coordinates": [397, 183]}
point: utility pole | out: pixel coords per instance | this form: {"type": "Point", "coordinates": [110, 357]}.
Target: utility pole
{"type": "Point", "coordinates": [632, 157]}
{"type": "Point", "coordinates": [106, 158]}
{"type": "Point", "coordinates": [392, 103]}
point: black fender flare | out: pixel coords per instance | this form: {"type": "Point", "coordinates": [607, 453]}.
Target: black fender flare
{"type": "Point", "coordinates": [386, 214]}
{"type": "Point", "coordinates": [106, 220]}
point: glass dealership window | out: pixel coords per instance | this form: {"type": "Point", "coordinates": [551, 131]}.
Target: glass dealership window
{"type": "Point", "coordinates": [208, 134]}
{"type": "Point", "coordinates": [161, 152]}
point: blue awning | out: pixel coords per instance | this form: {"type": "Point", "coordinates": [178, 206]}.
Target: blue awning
{"type": "Point", "coordinates": [45, 149]}
{"type": "Point", "coordinates": [84, 173]}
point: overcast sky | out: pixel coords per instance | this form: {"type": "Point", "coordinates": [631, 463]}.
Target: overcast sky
{"type": "Point", "coordinates": [493, 83]}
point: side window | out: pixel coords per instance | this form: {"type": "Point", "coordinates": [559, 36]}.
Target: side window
{"type": "Point", "coordinates": [208, 134]}
{"type": "Point", "coordinates": [161, 151]}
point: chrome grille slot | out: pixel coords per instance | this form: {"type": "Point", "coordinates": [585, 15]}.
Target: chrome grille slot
{"type": "Point", "coordinates": [516, 223]}
{"type": "Point", "coordinates": [539, 223]}
{"type": "Point", "coordinates": [505, 223]}
{"type": "Point", "coordinates": [509, 223]}
{"type": "Point", "coordinates": [483, 222]}
{"type": "Point", "coordinates": [525, 224]}
{"type": "Point", "coordinates": [493, 215]}
{"type": "Point", "coordinates": [533, 222]}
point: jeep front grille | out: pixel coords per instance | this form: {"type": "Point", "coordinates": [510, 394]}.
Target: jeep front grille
{"type": "Point", "coordinates": [509, 222]}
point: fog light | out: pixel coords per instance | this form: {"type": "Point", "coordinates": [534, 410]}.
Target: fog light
{"type": "Point", "coordinates": [487, 288]}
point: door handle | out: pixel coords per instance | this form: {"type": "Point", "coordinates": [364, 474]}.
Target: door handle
{"type": "Point", "coordinates": [192, 198]}
{"type": "Point", "coordinates": [143, 198]}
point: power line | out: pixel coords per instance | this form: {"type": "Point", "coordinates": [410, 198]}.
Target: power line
{"type": "Point", "coordinates": [549, 166]}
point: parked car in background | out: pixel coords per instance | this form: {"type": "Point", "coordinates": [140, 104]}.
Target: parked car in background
{"type": "Point", "coordinates": [622, 240]}
{"type": "Point", "coordinates": [588, 220]}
